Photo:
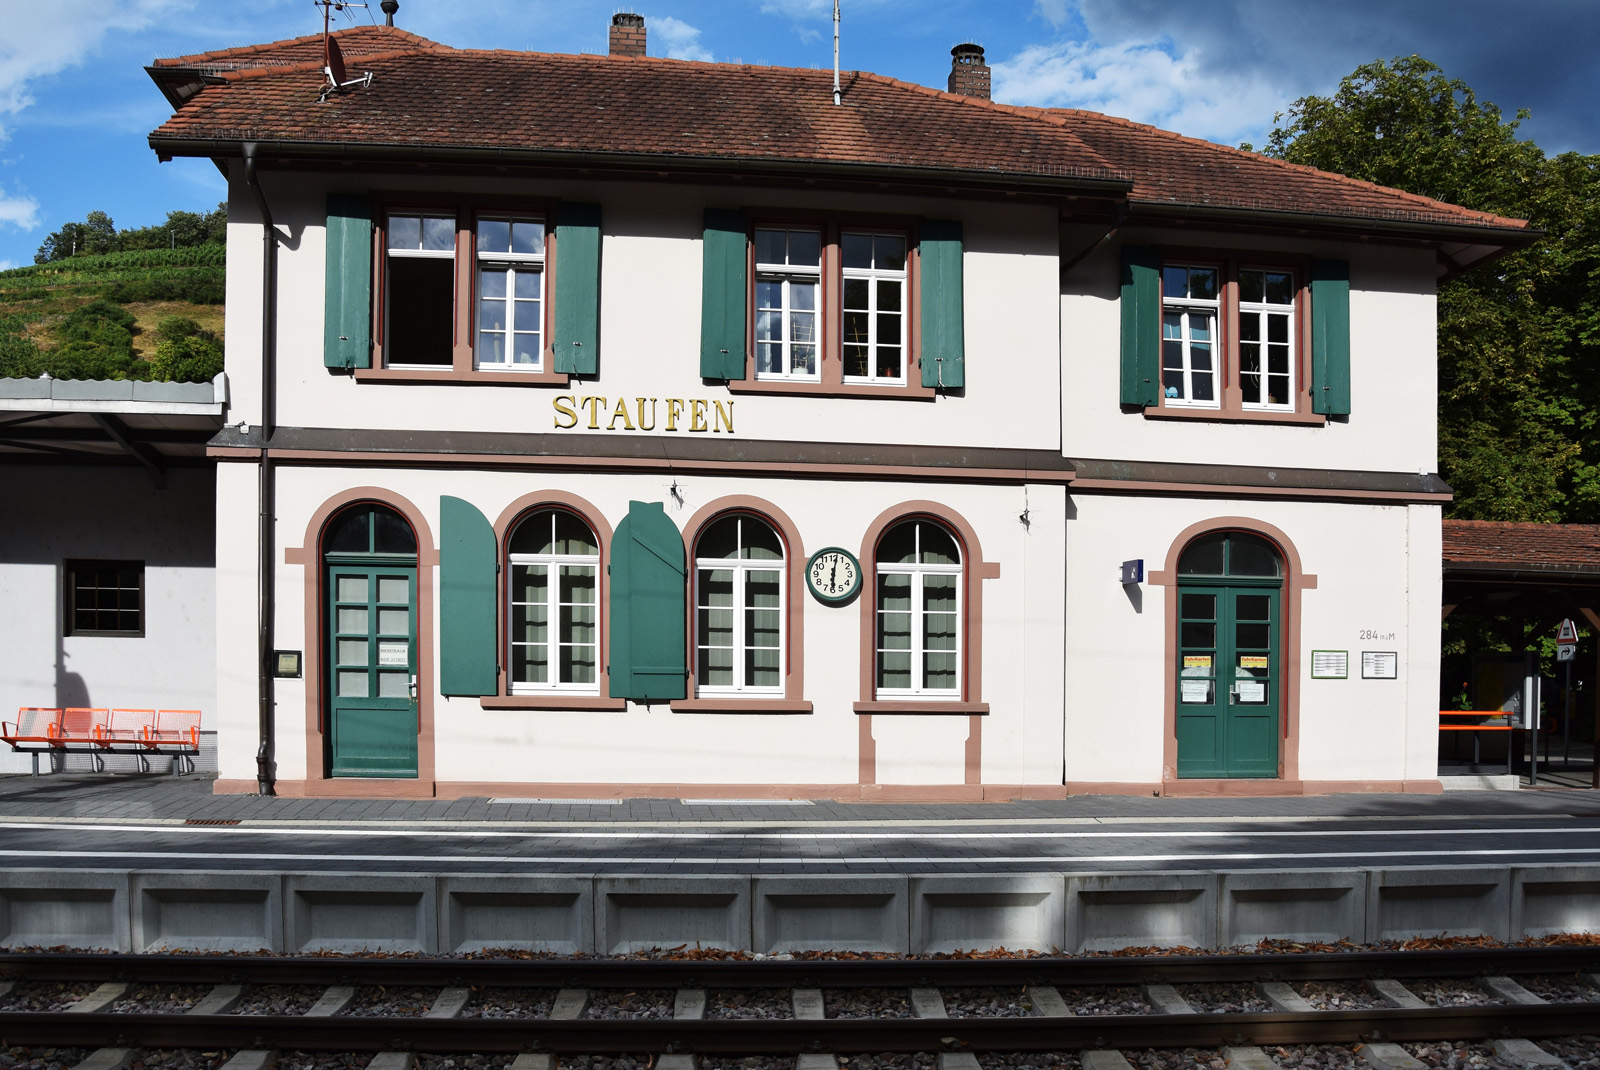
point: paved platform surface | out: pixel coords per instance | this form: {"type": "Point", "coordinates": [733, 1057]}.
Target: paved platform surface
{"type": "Point", "coordinates": [163, 822]}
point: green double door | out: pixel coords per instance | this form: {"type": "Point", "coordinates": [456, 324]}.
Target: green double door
{"type": "Point", "coordinates": [1228, 680]}
{"type": "Point", "coordinates": [372, 658]}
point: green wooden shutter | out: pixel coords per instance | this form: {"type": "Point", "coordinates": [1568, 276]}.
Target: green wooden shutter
{"type": "Point", "coordinates": [1330, 337]}
{"type": "Point", "coordinates": [724, 294]}
{"type": "Point", "coordinates": [347, 322]}
{"type": "Point", "coordinates": [648, 587]}
{"type": "Point", "coordinates": [575, 337]}
{"type": "Point", "coordinates": [468, 636]}
{"type": "Point", "coordinates": [1141, 326]}
{"type": "Point", "coordinates": [943, 327]}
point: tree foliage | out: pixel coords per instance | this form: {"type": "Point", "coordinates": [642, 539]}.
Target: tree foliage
{"type": "Point", "coordinates": [1519, 338]}
{"type": "Point", "coordinates": [97, 234]}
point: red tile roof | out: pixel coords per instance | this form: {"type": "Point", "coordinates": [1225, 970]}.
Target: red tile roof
{"type": "Point", "coordinates": [1490, 544]}
{"type": "Point", "coordinates": [428, 97]}
{"type": "Point", "coordinates": [1168, 168]}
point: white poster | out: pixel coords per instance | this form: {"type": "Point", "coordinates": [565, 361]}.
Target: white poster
{"type": "Point", "coordinates": [394, 654]}
{"type": "Point", "coordinates": [1196, 692]}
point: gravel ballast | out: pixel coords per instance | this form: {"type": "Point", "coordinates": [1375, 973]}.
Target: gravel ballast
{"type": "Point", "coordinates": [749, 1003]}
{"type": "Point", "coordinates": [510, 1003]}
{"type": "Point", "coordinates": [867, 1003]}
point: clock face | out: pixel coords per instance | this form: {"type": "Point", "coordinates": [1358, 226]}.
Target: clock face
{"type": "Point", "coordinates": [833, 575]}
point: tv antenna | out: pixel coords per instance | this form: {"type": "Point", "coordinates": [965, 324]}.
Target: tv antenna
{"type": "Point", "coordinates": [333, 60]}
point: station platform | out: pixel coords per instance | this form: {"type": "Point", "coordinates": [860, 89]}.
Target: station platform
{"type": "Point", "coordinates": [146, 863]}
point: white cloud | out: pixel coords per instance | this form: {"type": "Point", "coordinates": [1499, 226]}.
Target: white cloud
{"type": "Point", "coordinates": [682, 41]}
{"type": "Point", "coordinates": [7, 265]}
{"type": "Point", "coordinates": [44, 38]}
{"type": "Point", "coordinates": [18, 210]}
{"type": "Point", "coordinates": [1144, 80]}
{"type": "Point", "coordinates": [1055, 12]}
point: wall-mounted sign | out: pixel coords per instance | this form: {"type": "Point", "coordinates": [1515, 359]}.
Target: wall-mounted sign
{"type": "Point", "coordinates": [1380, 665]}
{"type": "Point", "coordinates": [1330, 664]}
{"type": "Point", "coordinates": [286, 664]}
{"type": "Point", "coordinates": [833, 576]}
{"type": "Point", "coordinates": [1252, 661]}
{"type": "Point", "coordinates": [394, 654]}
{"type": "Point", "coordinates": [595, 413]}
{"type": "Point", "coordinates": [1133, 571]}
{"type": "Point", "coordinates": [1199, 662]}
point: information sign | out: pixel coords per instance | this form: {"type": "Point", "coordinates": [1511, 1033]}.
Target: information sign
{"type": "Point", "coordinates": [1330, 664]}
{"type": "Point", "coordinates": [1380, 665]}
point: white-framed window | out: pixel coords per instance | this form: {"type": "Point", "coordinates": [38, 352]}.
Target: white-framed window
{"type": "Point", "coordinates": [873, 303]}
{"type": "Point", "coordinates": [420, 300]}
{"type": "Point", "coordinates": [1266, 338]}
{"type": "Point", "coordinates": [1190, 307]}
{"type": "Point", "coordinates": [739, 607]}
{"type": "Point", "coordinates": [788, 288]}
{"type": "Point", "coordinates": [510, 294]}
{"type": "Point", "coordinates": [918, 612]}
{"type": "Point", "coordinates": [553, 623]}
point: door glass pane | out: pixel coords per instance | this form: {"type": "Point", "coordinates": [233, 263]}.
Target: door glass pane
{"type": "Point", "coordinates": [394, 685]}
{"type": "Point", "coordinates": [1250, 636]}
{"type": "Point", "coordinates": [352, 589]}
{"type": "Point", "coordinates": [1198, 635]}
{"type": "Point", "coordinates": [353, 620]}
{"type": "Point", "coordinates": [394, 621]}
{"type": "Point", "coordinates": [353, 684]}
{"type": "Point", "coordinates": [395, 590]}
{"type": "Point", "coordinates": [1253, 607]}
{"type": "Point", "coordinates": [352, 652]}
{"type": "Point", "coordinates": [1199, 606]}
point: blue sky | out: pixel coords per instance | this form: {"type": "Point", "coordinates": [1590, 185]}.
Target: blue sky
{"type": "Point", "coordinates": [76, 105]}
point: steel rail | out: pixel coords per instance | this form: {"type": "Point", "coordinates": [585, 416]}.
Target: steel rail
{"type": "Point", "coordinates": [480, 1035]}
{"type": "Point", "coordinates": [800, 973]}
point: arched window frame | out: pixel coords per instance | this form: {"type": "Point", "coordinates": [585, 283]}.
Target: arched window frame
{"type": "Point", "coordinates": [1295, 581]}
{"type": "Point", "coordinates": [514, 513]}
{"type": "Point", "coordinates": [791, 698]}
{"type": "Point", "coordinates": [974, 569]}
{"type": "Point", "coordinates": [918, 572]}
{"type": "Point", "coordinates": [741, 569]}
{"type": "Point", "coordinates": [554, 562]}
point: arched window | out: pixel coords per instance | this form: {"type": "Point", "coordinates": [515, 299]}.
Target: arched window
{"type": "Point", "coordinates": [739, 607]}
{"type": "Point", "coordinates": [918, 612]}
{"type": "Point", "coordinates": [1231, 553]}
{"type": "Point", "coordinates": [552, 605]}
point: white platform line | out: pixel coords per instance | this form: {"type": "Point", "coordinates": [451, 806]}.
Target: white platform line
{"type": "Point", "coordinates": [191, 858]}
{"type": "Point", "coordinates": [803, 836]}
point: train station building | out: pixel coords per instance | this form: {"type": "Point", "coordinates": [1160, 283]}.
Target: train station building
{"type": "Point", "coordinates": [607, 425]}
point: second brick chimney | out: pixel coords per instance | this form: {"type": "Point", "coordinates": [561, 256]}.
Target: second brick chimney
{"type": "Point", "coordinates": [969, 75]}
{"type": "Point", "coordinates": [627, 37]}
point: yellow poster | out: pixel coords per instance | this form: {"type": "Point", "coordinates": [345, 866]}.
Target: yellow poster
{"type": "Point", "coordinates": [1197, 661]}
{"type": "Point", "coordinates": [1252, 661]}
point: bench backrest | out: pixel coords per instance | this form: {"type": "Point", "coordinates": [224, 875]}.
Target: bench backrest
{"type": "Point", "coordinates": [176, 725]}
{"type": "Point", "coordinates": [36, 722]}
{"type": "Point", "coordinates": [79, 723]}
{"type": "Point", "coordinates": [128, 724]}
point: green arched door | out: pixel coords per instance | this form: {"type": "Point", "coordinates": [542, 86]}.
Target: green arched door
{"type": "Point", "coordinates": [1230, 630]}
{"type": "Point", "coordinates": [370, 577]}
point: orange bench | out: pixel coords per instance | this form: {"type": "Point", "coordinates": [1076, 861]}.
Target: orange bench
{"type": "Point", "coordinates": [1488, 721]}
{"type": "Point", "coordinates": [98, 731]}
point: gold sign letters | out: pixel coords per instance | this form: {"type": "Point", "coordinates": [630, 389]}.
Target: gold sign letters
{"type": "Point", "coordinates": [682, 414]}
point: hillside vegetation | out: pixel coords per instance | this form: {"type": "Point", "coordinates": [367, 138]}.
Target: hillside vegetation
{"type": "Point", "coordinates": [103, 303]}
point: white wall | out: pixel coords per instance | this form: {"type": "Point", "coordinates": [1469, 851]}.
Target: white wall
{"type": "Point", "coordinates": [650, 321]}
{"type": "Point", "coordinates": [54, 513]}
{"type": "Point", "coordinates": [1021, 661]}
{"type": "Point", "coordinates": [1377, 571]}
{"type": "Point", "coordinates": [1393, 384]}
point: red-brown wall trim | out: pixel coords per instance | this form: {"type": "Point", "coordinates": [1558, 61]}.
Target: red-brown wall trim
{"type": "Point", "coordinates": [509, 517]}
{"type": "Point", "coordinates": [1296, 580]}
{"type": "Point", "coordinates": [794, 677]}
{"type": "Point", "coordinates": [974, 570]}
{"type": "Point", "coordinates": [308, 555]}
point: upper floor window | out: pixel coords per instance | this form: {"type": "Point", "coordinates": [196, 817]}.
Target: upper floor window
{"type": "Point", "coordinates": [510, 294]}
{"type": "Point", "coordinates": [1190, 312]}
{"type": "Point", "coordinates": [918, 612]}
{"type": "Point", "coordinates": [1266, 334]}
{"type": "Point", "coordinates": [874, 307]}
{"type": "Point", "coordinates": [421, 299]}
{"type": "Point", "coordinates": [788, 280]}
{"type": "Point", "coordinates": [552, 604]}
{"type": "Point", "coordinates": [739, 607]}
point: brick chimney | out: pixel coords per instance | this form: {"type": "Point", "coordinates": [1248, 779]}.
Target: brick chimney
{"type": "Point", "coordinates": [627, 36]}
{"type": "Point", "coordinates": [969, 75]}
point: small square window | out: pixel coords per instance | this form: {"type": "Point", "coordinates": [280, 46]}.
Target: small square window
{"type": "Point", "coordinates": [104, 598]}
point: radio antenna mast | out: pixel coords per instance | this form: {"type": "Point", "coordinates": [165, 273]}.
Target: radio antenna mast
{"type": "Point", "coordinates": [332, 58]}
{"type": "Point", "coordinates": [836, 51]}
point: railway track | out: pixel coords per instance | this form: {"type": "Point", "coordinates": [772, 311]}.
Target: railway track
{"type": "Point", "coordinates": [955, 1008]}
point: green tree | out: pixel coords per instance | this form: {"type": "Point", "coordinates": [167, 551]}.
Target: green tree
{"type": "Point", "coordinates": [96, 234]}
{"type": "Point", "coordinates": [1519, 338]}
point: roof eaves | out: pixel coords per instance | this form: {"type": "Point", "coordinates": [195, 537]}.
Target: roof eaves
{"type": "Point", "coordinates": [1396, 223]}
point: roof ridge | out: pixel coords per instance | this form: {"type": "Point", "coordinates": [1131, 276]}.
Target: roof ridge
{"type": "Point", "coordinates": [1304, 168]}
{"type": "Point", "coordinates": [424, 44]}
{"type": "Point", "coordinates": [312, 65]}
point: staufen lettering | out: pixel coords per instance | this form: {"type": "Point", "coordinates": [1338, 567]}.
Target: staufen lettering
{"type": "Point", "coordinates": [596, 413]}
